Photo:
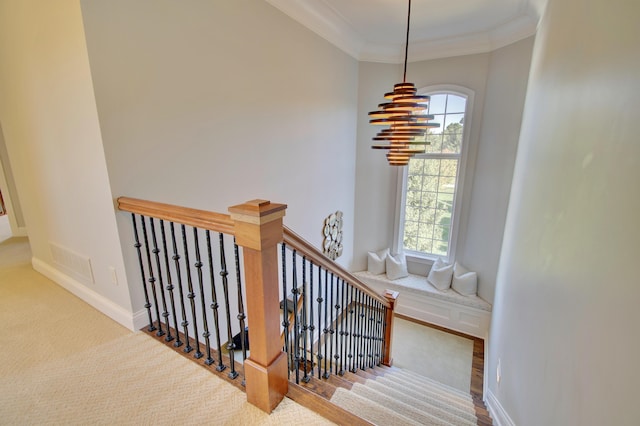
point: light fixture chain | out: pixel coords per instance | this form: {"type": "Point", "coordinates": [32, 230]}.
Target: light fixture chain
{"type": "Point", "coordinates": [406, 45]}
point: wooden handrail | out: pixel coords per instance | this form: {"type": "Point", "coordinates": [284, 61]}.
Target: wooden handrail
{"type": "Point", "coordinates": [216, 222]}
{"type": "Point", "coordinates": [298, 243]}
{"type": "Point", "coordinates": [290, 319]}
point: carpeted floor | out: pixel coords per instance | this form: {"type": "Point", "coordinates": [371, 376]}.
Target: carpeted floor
{"type": "Point", "coordinates": [63, 362]}
{"type": "Point", "coordinates": [433, 353]}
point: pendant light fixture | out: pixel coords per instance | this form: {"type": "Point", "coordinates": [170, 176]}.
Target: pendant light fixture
{"type": "Point", "coordinates": [404, 115]}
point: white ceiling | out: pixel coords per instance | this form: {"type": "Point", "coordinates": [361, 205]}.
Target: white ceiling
{"type": "Point", "coordinates": [375, 30]}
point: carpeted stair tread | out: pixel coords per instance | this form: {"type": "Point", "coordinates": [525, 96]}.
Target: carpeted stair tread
{"type": "Point", "coordinates": [399, 406]}
{"type": "Point", "coordinates": [430, 386]}
{"type": "Point", "coordinates": [420, 379]}
{"type": "Point", "coordinates": [369, 410]}
{"type": "Point", "coordinates": [433, 405]}
{"type": "Point", "coordinates": [420, 392]}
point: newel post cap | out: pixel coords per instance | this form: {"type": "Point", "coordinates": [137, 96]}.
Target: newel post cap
{"type": "Point", "coordinates": [258, 223]}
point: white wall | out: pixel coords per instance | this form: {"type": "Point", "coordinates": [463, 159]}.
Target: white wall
{"type": "Point", "coordinates": [565, 318]}
{"type": "Point", "coordinates": [52, 136]}
{"type": "Point", "coordinates": [499, 81]}
{"type": "Point", "coordinates": [479, 248]}
{"type": "Point", "coordinates": [210, 104]}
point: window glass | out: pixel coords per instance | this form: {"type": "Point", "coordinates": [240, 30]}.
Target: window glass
{"type": "Point", "coordinates": [432, 180]}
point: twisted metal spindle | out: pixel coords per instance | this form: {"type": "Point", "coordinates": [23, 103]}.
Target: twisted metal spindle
{"type": "Point", "coordinates": [241, 315]}
{"type": "Point", "coordinates": [214, 303]}
{"type": "Point", "coordinates": [191, 295]}
{"type": "Point", "coordinates": [361, 326]}
{"type": "Point", "coordinates": [185, 321]}
{"type": "Point", "coordinates": [285, 309]}
{"type": "Point", "coordinates": [320, 331]}
{"type": "Point", "coordinates": [169, 287]}
{"type": "Point", "coordinates": [305, 326]}
{"type": "Point", "coordinates": [152, 279]}
{"type": "Point", "coordinates": [225, 288]}
{"type": "Point", "coordinates": [312, 327]}
{"type": "Point", "coordinates": [343, 332]}
{"type": "Point", "coordinates": [205, 322]}
{"type": "Point", "coordinates": [165, 312]}
{"type": "Point", "coordinates": [369, 332]}
{"type": "Point", "coordinates": [137, 245]}
{"type": "Point", "coordinates": [296, 334]}
{"type": "Point", "coordinates": [326, 319]}
{"type": "Point", "coordinates": [351, 329]}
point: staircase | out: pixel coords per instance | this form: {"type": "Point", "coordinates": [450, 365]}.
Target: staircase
{"type": "Point", "coordinates": [336, 333]}
{"type": "Point", "coordinates": [393, 396]}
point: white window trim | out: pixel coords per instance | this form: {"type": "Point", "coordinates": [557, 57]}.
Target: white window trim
{"type": "Point", "coordinates": [401, 189]}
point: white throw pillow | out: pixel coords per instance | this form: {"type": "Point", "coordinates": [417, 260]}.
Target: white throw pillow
{"type": "Point", "coordinates": [376, 261]}
{"type": "Point", "coordinates": [440, 275]}
{"type": "Point", "coordinates": [465, 282]}
{"type": "Point", "coordinates": [396, 266]}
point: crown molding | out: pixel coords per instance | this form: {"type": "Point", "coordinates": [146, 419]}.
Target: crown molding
{"type": "Point", "coordinates": [330, 25]}
{"type": "Point", "coordinates": [324, 21]}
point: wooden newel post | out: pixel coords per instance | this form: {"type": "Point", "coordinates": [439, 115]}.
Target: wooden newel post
{"type": "Point", "coordinates": [258, 229]}
{"type": "Point", "coordinates": [391, 297]}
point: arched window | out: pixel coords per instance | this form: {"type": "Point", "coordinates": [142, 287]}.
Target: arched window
{"type": "Point", "coordinates": [429, 201]}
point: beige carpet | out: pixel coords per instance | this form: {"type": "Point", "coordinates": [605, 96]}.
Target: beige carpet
{"type": "Point", "coordinates": [62, 362]}
{"type": "Point", "coordinates": [15, 251]}
{"type": "Point", "coordinates": [433, 353]}
{"type": "Point", "coordinates": [406, 398]}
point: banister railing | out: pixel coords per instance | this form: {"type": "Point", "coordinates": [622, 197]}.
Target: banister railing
{"type": "Point", "coordinates": [296, 242]}
{"type": "Point", "coordinates": [336, 322]}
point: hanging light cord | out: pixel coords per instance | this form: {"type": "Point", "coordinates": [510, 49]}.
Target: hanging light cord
{"type": "Point", "coordinates": [406, 45]}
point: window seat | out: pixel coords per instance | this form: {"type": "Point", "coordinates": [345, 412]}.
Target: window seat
{"type": "Point", "coordinates": [420, 300]}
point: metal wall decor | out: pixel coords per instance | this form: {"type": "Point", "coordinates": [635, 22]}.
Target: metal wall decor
{"type": "Point", "coordinates": [332, 231]}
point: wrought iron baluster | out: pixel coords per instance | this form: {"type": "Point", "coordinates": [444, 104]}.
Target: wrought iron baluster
{"type": "Point", "coordinates": [205, 322]}
{"type": "Point", "coordinates": [285, 309]}
{"type": "Point", "coordinates": [169, 288]}
{"type": "Point", "coordinates": [344, 332]}
{"type": "Point", "coordinates": [331, 323]}
{"type": "Point", "coordinates": [185, 321]}
{"type": "Point", "coordinates": [361, 330]}
{"type": "Point", "coordinates": [385, 343]}
{"type": "Point", "coordinates": [351, 329]}
{"type": "Point", "coordinates": [165, 312]}
{"type": "Point", "coordinates": [336, 334]}
{"type": "Point", "coordinates": [137, 245]}
{"type": "Point", "coordinates": [380, 332]}
{"type": "Point", "coordinates": [191, 295]}
{"type": "Point", "coordinates": [214, 303]}
{"type": "Point", "coordinates": [369, 332]}
{"type": "Point", "coordinates": [296, 334]}
{"type": "Point", "coordinates": [326, 317]}
{"type": "Point", "coordinates": [152, 278]}
{"type": "Point", "coordinates": [320, 331]}
{"type": "Point", "coordinates": [305, 325]}
{"type": "Point", "coordinates": [241, 315]}
{"type": "Point", "coordinates": [311, 326]}
{"type": "Point", "coordinates": [225, 288]}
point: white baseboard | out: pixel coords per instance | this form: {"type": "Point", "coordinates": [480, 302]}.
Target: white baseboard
{"type": "Point", "coordinates": [140, 319]}
{"type": "Point", "coordinates": [101, 303]}
{"type": "Point", "coordinates": [498, 414]}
